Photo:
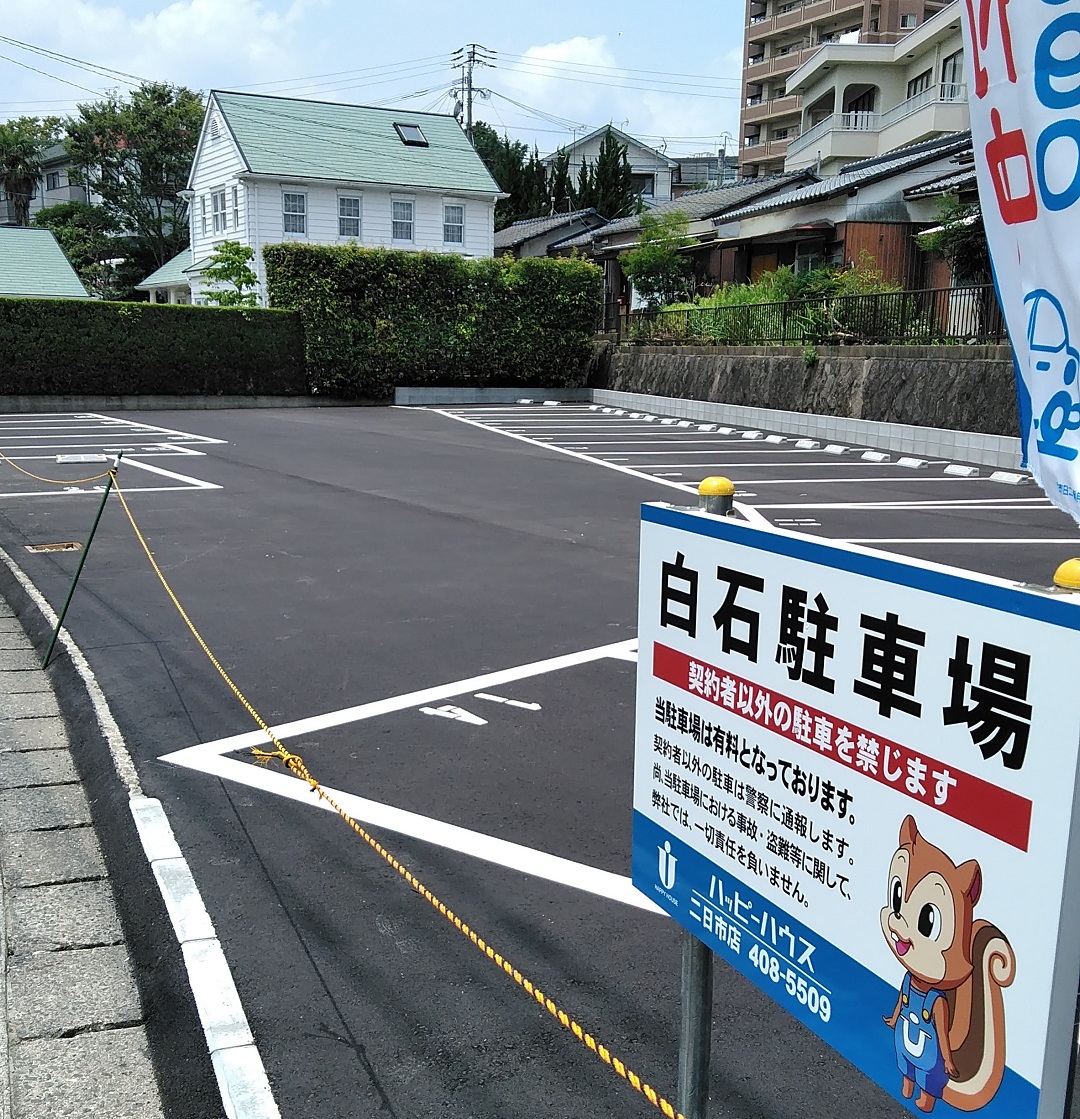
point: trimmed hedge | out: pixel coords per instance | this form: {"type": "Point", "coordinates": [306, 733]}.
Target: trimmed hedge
{"type": "Point", "coordinates": [374, 318]}
{"type": "Point", "coordinates": [84, 347]}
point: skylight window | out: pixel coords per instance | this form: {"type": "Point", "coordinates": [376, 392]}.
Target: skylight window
{"type": "Point", "coordinates": [411, 134]}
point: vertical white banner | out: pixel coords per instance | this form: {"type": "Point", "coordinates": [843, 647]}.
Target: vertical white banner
{"type": "Point", "coordinates": [1023, 65]}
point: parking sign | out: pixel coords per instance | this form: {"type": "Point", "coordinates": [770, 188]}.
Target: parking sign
{"type": "Point", "coordinates": [855, 778]}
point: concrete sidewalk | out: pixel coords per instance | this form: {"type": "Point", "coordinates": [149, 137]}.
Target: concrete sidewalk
{"type": "Point", "coordinates": [73, 1042]}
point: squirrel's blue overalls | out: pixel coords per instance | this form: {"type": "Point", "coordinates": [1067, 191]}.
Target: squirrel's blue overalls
{"type": "Point", "coordinates": [918, 1051]}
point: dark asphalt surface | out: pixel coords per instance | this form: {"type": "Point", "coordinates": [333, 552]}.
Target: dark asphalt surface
{"type": "Point", "coordinates": [357, 554]}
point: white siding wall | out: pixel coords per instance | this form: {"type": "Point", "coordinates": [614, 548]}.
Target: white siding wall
{"type": "Point", "coordinates": [219, 166]}
{"type": "Point", "coordinates": [375, 218]}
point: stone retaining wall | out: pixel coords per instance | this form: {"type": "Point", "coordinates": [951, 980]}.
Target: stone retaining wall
{"type": "Point", "coordinates": [965, 388]}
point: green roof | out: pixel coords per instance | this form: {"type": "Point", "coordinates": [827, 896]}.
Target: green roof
{"type": "Point", "coordinates": [33, 264]}
{"type": "Point", "coordinates": [286, 137]}
{"type": "Point", "coordinates": [170, 274]}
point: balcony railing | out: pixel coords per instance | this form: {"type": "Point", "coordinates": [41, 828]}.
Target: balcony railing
{"type": "Point", "coordinates": [945, 93]}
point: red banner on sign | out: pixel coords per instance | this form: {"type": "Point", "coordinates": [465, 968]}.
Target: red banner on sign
{"type": "Point", "coordinates": [913, 773]}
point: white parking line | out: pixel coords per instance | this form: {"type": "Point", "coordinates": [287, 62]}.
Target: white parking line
{"type": "Point", "coordinates": [747, 511]}
{"type": "Point", "coordinates": [209, 758]}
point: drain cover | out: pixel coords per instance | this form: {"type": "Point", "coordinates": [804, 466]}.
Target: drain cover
{"type": "Point", "coordinates": [63, 546]}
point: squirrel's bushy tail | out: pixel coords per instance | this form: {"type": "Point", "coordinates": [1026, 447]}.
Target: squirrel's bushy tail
{"type": "Point", "coordinates": [979, 1050]}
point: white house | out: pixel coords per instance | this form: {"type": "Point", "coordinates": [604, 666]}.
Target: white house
{"type": "Point", "coordinates": [652, 171]}
{"type": "Point", "coordinates": [273, 169]}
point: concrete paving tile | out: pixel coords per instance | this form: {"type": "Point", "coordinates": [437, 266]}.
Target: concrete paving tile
{"type": "Point", "coordinates": [34, 706]}
{"type": "Point", "coordinates": [9, 624]}
{"type": "Point", "coordinates": [32, 734]}
{"type": "Point", "coordinates": [50, 993]}
{"type": "Point", "coordinates": [40, 858]}
{"type": "Point", "coordinates": [22, 768]}
{"type": "Point", "coordinates": [16, 660]}
{"type": "Point", "coordinates": [12, 640]}
{"type": "Point", "coordinates": [86, 1077]}
{"type": "Point", "coordinates": [69, 915]}
{"type": "Point", "coordinates": [23, 681]}
{"type": "Point", "coordinates": [52, 806]}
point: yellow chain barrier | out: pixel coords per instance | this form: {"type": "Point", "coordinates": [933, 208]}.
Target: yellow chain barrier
{"type": "Point", "coordinates": [295, 764]}
{"type": "Point", "coordinates": [52, 481]}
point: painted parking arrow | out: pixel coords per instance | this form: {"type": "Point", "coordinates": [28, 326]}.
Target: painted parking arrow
{"type": "Point", "coordinates": [509, 702]}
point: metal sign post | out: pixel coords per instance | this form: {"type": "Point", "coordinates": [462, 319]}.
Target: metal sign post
{"type": "Point", "coordinates": [695, 1027]}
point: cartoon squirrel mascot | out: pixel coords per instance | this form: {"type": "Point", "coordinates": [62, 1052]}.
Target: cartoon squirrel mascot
{"type": "Point", "coordinates": [949, 1019]}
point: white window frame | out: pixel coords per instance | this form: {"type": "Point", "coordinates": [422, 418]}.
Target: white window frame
{"type": "Point", "coordinates": [358, 217]}
{"type": "Point", "coordinates": [236, 207]}
{"type": "Point", "coordinates": [301, 213]}
{"type": "Point", "coordinates": [395, 221]}
{"type": "Point", "coordinates": [448, 225]}
{"type": "Point", "coordinates": [218, 213]}
{"type": "Point", "coordinates": [202, 213]}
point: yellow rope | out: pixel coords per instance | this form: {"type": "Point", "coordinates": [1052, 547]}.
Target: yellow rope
{"type": "Point", "coordinates": [295, 764]}
{"type": "Point", "coordinates": [52, 481]}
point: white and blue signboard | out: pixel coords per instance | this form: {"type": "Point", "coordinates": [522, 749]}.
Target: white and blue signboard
{"type": "Point", "coordinates": [1023, 64]}
{"type": "Point", "coordinates": [855, 779]}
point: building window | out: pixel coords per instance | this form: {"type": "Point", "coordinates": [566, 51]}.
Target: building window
{"type": "Point", "coordinates": [952, 76]}
{"type": "Point", "coordinates": [202, 213]}
{"type": "Point", "coordinates": [401, 227]}
{"type": "Point", "coordinates": [411, 134]}
{"type": "Point", "coordinates": [781, 133]}
{"type": "Point", "coordinates": [294, 213]}
{"type": "Point", "coordinates": [917, 85]}
{"type": "Point", "coordinates": [453, 229]}
{"type": "Point", "coordinates": [52, 180]}
{"type": "Point", "coordinates": [236, 207]}
{"type": "Point", "coordinates": [908, 21]}
{"type": "Point", "coordinates": [348, 222]}
{"type": "Point", "coordinates": [219, 214]}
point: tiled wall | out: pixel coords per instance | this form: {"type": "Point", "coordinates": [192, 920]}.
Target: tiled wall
{"type": "Point", "coordinates": [999, 451]}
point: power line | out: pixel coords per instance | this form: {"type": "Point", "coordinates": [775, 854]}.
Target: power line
{"type": "Point", "coordinates": [77, 63]}
{"type": "Point", "coordinates": [618, 69]}
{"type": "Point", "coordinates": [340, 73]}
{"type": "Point", "coordinates": [55, 77]}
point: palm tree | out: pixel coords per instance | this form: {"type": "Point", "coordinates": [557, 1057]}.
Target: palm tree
{"type": "Point", "coordinates": [22, 142]}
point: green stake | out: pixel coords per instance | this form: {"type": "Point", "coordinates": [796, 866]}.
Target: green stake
{"type": "Point", "coordinates": [82, 559]}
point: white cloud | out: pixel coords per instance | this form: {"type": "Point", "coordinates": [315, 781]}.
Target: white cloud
{"type": "Point", "coordinates": [198, 43]}
{"type": "Point", "coordinates": [561, 79]}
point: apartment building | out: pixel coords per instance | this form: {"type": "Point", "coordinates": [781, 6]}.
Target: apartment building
{"type": "Point", "coordinates": [783, 34]}
{"type": "Point", "coordinates": [908, 91]}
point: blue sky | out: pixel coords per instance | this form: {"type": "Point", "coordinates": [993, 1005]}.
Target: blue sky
{"type": "Point", "coordinates": [667, 76]}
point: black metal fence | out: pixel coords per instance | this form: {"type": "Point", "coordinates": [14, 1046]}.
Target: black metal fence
{"type": "Point", "coordinates": [932, 315]}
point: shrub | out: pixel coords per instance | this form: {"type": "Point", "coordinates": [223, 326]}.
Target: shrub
{"type": "Point", "coordinates": [376, 318]}
{"type": "Point", "coordinates": [86, 347]}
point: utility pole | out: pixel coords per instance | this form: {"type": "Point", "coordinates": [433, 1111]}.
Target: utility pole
{"type": "Point", "coordinates": [468, 57]}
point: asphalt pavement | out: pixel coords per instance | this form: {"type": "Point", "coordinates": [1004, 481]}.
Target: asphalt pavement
{"type": "Point", "coordinates": [438, 609]}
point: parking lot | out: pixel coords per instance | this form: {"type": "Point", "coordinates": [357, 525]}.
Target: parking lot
{"type": "Point", "coordinates": [943, 510]}
{"type": "Point", "coordinates": [436, 609]}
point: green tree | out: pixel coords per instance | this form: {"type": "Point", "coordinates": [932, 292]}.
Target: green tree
{"type": "Point", "coordinates": [231, 264]}
{"type": "Point", "coordinates": [519, 173]}
{"type": "Point", "coordinates": [961, 240]}
{"type": "Point", "coordinates": [136, 153]}
{"type": "Point", "coordinates": [659, 272]}
{"type": "Point", "coordinates": [559, 187]}
{"type": "Point", "coordinates": [22, 142]}
{"type": "Point", "coordinates": [87, 235]}
{"type": "Point", "coordinates": [615, 194]}
{"type": "Point", "coordinates": [585, 188]}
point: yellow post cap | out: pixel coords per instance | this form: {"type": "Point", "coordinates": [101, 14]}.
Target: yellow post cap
{"type": "Point", "coordinates": [1067, 575]}
{"type": "Point", "coordinates": [724, 487]}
